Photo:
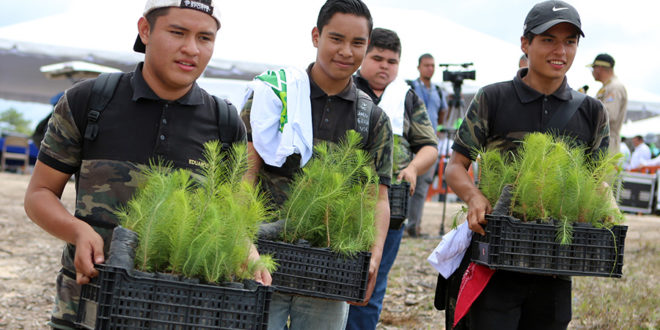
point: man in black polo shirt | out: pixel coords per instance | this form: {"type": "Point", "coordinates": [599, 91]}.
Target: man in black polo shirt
{"type": "Point", "coordinates": [341, 37]}
{"type": "Point", "coordinates": [499, 117]}
{"type": "Point", "coordinates": [157, 112]}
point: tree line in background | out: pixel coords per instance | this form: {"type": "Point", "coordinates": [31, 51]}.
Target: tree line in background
{"type": "Point", "coordinates": [12, 121]}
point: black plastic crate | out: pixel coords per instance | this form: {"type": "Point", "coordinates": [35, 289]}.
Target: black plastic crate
{"type": "Point", "coordinates": [124, 299]}
{"type": "Point", "coordinates": [398, 195]}
{"type": "Point", "coordinates": [530, 247]}
{"type": "Point", "coordinates": [317, 272]}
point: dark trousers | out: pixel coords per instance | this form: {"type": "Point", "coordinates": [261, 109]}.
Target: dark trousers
{"type": "Point", "coordinates": [522, 301]}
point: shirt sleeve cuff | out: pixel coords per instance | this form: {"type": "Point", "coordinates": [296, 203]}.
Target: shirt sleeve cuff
{"type": "Point", "coordinates": [54, 163]}
{"type": "Point", "coordinates": [462, 150]}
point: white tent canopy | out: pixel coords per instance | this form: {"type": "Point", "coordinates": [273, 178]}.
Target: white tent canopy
{"type": "Point", "coordinates": [641, 127]}
{"type": "Point", "coordinates": [249, 42]}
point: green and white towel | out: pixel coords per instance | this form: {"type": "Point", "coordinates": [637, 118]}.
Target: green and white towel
{"type": "Point", "coordinates": [281, 115]}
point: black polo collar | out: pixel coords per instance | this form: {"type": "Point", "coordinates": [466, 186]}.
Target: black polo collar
{"type": "Point", "coordinates": [349, 93]}
{"type": "Point", "coordinates": [142, 90]}
{"type": "Point", "coordinates": [527, 94]}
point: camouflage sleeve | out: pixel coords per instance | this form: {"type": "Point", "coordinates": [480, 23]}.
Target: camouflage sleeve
{"type": "Point", "coordinates": [61, 147]}
{"type": "Point", "coordinates": [245, 116]}
{"type": "Point", "coordinates": [380, 147]}
{"type": "Point", "coordinates": [419, 130]}
{"type": "Point", "coordinates": [601, 140]}
{"type": "Point", "coordinates": [472, 133]}
{"type": "Point", "coordinates": [241, 133]}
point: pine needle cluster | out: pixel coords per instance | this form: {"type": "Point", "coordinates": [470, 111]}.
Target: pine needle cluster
{"type": "Point", "coordinates": [398, 156]}
{"type": "Point", "coordinates": [200, 226]}
{"type": "Point", "coordinates": [553, 180]}
{"type": "Point", "coordinates": [333, 199]}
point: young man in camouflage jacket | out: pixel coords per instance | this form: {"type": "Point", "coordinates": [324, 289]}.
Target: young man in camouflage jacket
{"type": "Point", "coordinates": [156, 112]}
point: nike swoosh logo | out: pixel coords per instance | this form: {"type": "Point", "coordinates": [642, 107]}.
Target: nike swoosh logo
{"type": "Point", "coordinates": [558, 9]}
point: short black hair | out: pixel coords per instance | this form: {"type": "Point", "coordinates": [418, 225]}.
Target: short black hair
{"type": "Point", "coordinates": [354, 7]}
{"type": "Point", "coordinates": [425, 55]}
{"type": "Point", "coordinates": [153, 15]}
{"type": "Point", "coordinates": [385, 39]}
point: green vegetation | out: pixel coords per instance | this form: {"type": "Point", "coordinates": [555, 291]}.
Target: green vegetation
{"type": "Point", "coordinates": [398, 157]}
{"type": "Point", "coordinates": [333, 199]}
{"type": "Point", "coordinates": [12, 121]}
{"type": "Point", "coordinates": [198, 226]}
{"type": "Point", "coordinates": [553, 181]}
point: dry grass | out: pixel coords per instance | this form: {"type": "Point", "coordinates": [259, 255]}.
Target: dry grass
{"type": "Point", "coordinates": [29, 260]}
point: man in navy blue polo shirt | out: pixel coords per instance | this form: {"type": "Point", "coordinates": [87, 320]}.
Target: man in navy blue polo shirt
{"type": "Point", "coordinates": [499, 117]}
{"type": "Point", "coordinates": [156, 112]}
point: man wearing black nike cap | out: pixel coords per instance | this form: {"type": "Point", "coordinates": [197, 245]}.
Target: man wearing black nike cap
{"type": "Point", "coordinates": [538, 99]}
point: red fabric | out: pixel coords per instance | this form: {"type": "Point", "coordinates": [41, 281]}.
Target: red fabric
{"type": "Point", "coordinates": [473, 283]}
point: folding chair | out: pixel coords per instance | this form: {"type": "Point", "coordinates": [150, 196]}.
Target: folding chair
{"type": "Point", "coordinates": [15, 148]}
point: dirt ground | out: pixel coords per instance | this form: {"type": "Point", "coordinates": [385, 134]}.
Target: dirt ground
{"type": "Point", "coordinates": [29, 261]}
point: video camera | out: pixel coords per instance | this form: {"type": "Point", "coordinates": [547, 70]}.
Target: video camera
{"type": "Point", "coordinates": [457, 77]}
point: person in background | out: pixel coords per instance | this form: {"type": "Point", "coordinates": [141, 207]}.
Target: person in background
{"type": "Point", "coordinates": [613, 95]}
{"type": "Point", "coordinates": [522, 63]}
{"type": "Point", "coordinates": [157, 112]}
{"type": "Point", "coordinates": [623, 148]}
{"type": "Point", "coordinates": [331, 101]}
{"type": "Point", "coordinates": [378, 78]}
{"type": "Point", "coordinates": [499, 116]}
{"type": "Point", "coordinates": [640, 155]}
{"type": "Point", "coordinates": [436, 106]}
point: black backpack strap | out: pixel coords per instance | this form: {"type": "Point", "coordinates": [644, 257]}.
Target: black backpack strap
{"type": "Point", "coordinates": [227, 122]}
{"type": "Point", "coordinates": [566, 112]}
{"type": "Point", "coordinates": [363, 109]}
{"type": "Point", "coordinates": [102, 92]}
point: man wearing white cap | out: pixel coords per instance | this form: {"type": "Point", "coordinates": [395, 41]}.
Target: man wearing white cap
{"type": "Point", "coordinates": [155, 112]}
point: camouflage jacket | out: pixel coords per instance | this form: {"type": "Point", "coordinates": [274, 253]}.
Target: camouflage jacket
{"type": "Point", "coordinates": [340, 109]}
{"type": "Point", "coordinates": [136, 127]}
{"type": "Point", "coordinates": [501, 114]}
{"type": "Point", "coordinates": [417, 129]}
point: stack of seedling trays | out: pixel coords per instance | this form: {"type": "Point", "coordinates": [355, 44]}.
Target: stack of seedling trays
{"type": "Point", "coordinates": [398, 195]}
{"type": "Point", "coordinates": [318, 272]}
{"type": "Point", "coordinates": [125, 299]}
{"type": "Point", "coordinates": [531, 247]}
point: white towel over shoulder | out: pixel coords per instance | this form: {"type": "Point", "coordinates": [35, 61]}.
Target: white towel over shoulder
{"type": "Point", "coordinates": [393, 102]}
{"type": "Point", "coordinates": [273, 145]}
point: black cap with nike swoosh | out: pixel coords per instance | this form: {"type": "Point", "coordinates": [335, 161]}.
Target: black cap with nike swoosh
{"type": "Point", "coordinates": [547, 14]}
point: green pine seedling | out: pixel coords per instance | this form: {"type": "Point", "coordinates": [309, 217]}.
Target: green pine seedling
{"type": "Point", "coordinates": [333, 199]}
{"type": "Point", "coordinates": [199, 225]}
{"type": "Point", "coordinates": [552, 179]}
{"type": "Point", "coordinates": [399, 156]}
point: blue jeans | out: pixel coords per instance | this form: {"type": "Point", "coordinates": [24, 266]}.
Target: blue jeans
{"type": "Point", "coordinates": [366, 317]}
{"type": "Point", "coordinates": [306, 313]}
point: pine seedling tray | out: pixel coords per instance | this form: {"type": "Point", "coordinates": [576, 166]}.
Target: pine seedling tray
{"type": "Point", "coordinates": [530, 247]}
{"type": "Point", "coordinates": [123, 299]}
{"type": "Point", "coordinates": [398, 195]}
{"type": "Point", "coordinates": [317, 272]}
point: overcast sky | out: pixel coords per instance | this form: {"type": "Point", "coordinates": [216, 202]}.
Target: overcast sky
{"type": "Point", "coordinates": [628, 30]}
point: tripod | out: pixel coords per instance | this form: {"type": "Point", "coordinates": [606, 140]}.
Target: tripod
{"type": "Point", "coordinates": [456, 111]}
